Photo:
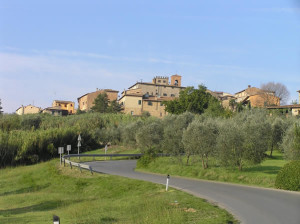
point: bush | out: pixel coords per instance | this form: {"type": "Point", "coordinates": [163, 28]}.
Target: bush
{"type": "Point", "coordinates": [288, 178]}
{"type": "Point", "coordinates": [146, 159]}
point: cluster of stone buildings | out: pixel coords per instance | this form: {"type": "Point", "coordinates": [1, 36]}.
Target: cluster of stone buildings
{"type": "Point", "coordinates": [149, 96]}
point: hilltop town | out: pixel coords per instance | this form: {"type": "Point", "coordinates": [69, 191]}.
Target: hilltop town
{"type": "Point", "coordinates": [149, 97]}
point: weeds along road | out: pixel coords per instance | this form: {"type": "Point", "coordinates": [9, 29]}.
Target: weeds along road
{"type": "Point", "coordinates": [250, 205]}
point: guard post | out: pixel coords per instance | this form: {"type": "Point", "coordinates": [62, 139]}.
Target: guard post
{"type": "Point", "coordinates": [167, 184]}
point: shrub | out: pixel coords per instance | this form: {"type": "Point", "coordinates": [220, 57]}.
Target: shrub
{"type": "Point", "coordinates": [288, 178]}
{"type": "Point", "coordinates": [146, 159]}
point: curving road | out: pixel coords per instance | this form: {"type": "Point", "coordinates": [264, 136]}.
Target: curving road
{"type": "Point", "coordinates": [249, 204]}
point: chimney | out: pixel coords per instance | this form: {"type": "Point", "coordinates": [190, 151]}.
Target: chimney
{"type": "Point", "coordinates": [249, 86]}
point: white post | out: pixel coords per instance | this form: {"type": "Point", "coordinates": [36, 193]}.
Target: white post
{"type": "Point", "coordinates": [105, 150]}
{"type": "Point", "coordinates": [167, 184]}
{"type": "Point", "coordinates": [79, 144]}
{"type": "Point", "coordinates": [60, 151]}
{"type": "Point", "coordinates": [60, 158]}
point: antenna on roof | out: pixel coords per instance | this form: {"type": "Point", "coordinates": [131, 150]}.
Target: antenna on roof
{"type": "Point", "coordinates": [141, 80]}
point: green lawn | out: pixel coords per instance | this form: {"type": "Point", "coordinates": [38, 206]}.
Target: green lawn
{"type": "Point", "coordinates": [33, 194]}
{"type": "Point", "coordinates": [263, 175]}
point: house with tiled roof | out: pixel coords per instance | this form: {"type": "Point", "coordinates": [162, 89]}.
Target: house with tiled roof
{"type": "Point", "coordinates": [64, 105]}
{"type": "Point", "coordinates": [293, 109]}
{"type": "Point", "coordinates": [257, 97]}
{"type": "Point", "coordinates": [149, 96]}
{"type": "Point", "coordinates": [29, 109]}
{"type": "Point", "coordinates": [86, 101]}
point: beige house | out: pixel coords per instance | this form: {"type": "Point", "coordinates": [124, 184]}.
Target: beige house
{"type": "Point", "coordinates": [257, 97]}
{"type": "Point", "coordinates": [225, 98]}
{"type": "Point", "coordinates": [30, 109]}
{"type": "Point", "coordinates": [144, 96]}
{"type": "Point", "coordinates": [86, 102]}
{"type": "Point", "coordinates": [64, 105]}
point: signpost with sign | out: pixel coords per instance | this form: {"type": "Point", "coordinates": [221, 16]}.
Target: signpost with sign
{"type": "Point", "coordinates": [60, 152]}
{"type": "Point", "coordinates": [68, 149]}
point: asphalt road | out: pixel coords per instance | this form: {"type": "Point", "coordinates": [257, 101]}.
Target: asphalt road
{"type": "Point", "coordinates": [250, 205]}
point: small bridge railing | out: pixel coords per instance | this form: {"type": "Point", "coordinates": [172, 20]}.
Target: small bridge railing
{"type": "Point", "coordinates": [67, 159]}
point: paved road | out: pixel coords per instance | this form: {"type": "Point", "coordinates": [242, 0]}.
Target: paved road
{"type": "Point", "coordinates": [248, 204]}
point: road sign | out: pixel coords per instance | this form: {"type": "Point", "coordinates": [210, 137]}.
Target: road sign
{"type": "Point", "coordinates": [68, 147]}
{"type": "Point", "coordinates": [79, 138]}
{"type": "Point", "coordinates": [60, 150]}
{"type": "Point", "coordinates": [79, 144]}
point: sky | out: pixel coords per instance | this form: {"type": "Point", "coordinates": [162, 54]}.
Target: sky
{"type": "Point", "coordinates": [63, 49]}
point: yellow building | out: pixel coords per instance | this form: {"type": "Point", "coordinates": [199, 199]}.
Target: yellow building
{"type": "Point", "coordinates": [64, 105]}
{"type": "Point", "coordinates": [144, 96]}
{"type": "Point", "coordinates": [30, 109]}
{"type": "Point", "coordinates": [86, 102]}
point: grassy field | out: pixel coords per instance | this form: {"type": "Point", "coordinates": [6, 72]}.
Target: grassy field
{"type": "Point", "coordinates": [33, 194]}
{"type": "Point", "coordinates": [262, 175]}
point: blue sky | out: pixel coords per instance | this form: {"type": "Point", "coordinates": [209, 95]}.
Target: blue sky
{"type": "Point", "coordinates": [63, 49]}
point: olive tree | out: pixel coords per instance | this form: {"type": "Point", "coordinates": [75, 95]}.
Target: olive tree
{"type": "Point", "coordinates": [277, 129]}
{"type": "Point", "coordinates": [230, 144]}
{"type": "Point", "coordinates": [149, 136]}
{"type": "Point", "coordinates": [173, 130]}
{"type": "Point", "coordinates": [244, 138]}
{"type": "Point", "coordinates": [200, 138]}
{"type": "Point", "coordinates": [291, 142]}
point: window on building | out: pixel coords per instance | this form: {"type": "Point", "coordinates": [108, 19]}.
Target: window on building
{"type": "Point", "coordinates": [71, 105]}
{"type": "Point", "coordinates": [172, 95]}
{"type": "Point", "coordinates": [165, 94]}
{"type": "Point", "coordinates": [139, 102]}
{"type": "Point", "coordinates": [164, 81]}
{"type": "Point", "coordinates": [59, 105]}
{"type": "Point", "coordinates": [161, 104]}
{"type": "Point", "coordinates": [65, 105]}
{"type": "Point", "coordinates": [158, 80]}
{"type": "Point", "coordinates": [149, 103]}
{"type": "Point", "coordinates": [82, 103]}
{"type": "Point", "coordinates": [160, 114]}
{"type": "Point", "coordinates": [131, 112]}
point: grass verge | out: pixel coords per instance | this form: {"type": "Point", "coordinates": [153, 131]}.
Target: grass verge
{"type": "Point", "coordinates": [32, 194]}
{"type": "Point", "coordinates": [263, 175]}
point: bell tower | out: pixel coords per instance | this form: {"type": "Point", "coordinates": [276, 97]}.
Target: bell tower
{"type": "Point", "coordinates": [176, 80]}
